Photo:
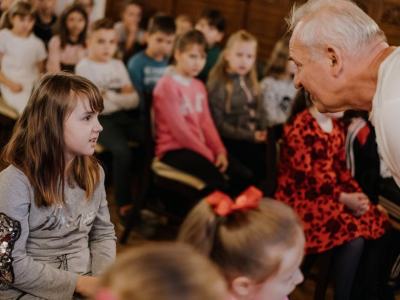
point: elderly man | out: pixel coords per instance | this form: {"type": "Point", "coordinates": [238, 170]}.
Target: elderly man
{"type": "Point", "coordinates": [344, 62]}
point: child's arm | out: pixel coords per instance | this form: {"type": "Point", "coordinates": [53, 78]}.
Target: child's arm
{"type": "Point", "coordinates": [102, 236]}
{"type": "Point", "coordinates": [53, 60]}
{"type": "Point", "coordinates": [15, 87]}
{"type": "Point", "coordinates": [211, 134]}
{"type": "Point", "coordinates": [217, 104]}
{"type": "Point", "coordinates": [24, 273]}
{"type": "Point", "coordinates": [124, 99]}
{"type": "Point", "coordinates": [166, 101]}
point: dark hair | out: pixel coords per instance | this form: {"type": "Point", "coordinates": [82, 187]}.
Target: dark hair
{"type": "Point", "coordinates": [192, 37]}
{"type": "Point", "coordinates": [102, 24]}
{"type": "Point", "coordinates": [244, 243]}
{"type": "Point", "coordinates": [162, 23]}
{"type": "Point", "coordinates": [18, 8]}
{"type": "Point", "coordinates": [62, 28]}
{"type": "Point", "coordinates": [37, 143]}
{"type": "Point", "coordinates": [214, 18]}
{"type": "Point", "coordinates": [300, 103]}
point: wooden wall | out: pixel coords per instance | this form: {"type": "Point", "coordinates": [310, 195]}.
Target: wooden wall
{"type": "Point", "coordinates": [264, 18]}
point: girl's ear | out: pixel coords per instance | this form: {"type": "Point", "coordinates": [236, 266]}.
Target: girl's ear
{"type": "Point", "coordinates": [241, 286]}
{"type": "Point", "coordinates": [177, 55]}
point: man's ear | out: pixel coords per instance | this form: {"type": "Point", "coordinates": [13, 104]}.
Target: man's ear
{"type": "Point", "coordinates": [335, 60]}
{"type": "Point", "coordinates": [241, 286]}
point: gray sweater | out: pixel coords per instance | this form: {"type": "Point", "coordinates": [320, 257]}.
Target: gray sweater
{"type": "Point", "coordinates": [233, 124]}
{"type": "Point", "coordinates": [42, 250]}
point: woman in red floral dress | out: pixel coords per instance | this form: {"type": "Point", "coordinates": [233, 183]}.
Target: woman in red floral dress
{"type": "Point", "coordinates": [314, 180]}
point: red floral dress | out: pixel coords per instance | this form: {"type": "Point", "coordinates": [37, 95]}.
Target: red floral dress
{"type": "Point", "coordinates": [312, 174]}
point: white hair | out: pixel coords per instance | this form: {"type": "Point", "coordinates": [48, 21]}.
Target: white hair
{"type": "Point", "coordinates": [340, 22]}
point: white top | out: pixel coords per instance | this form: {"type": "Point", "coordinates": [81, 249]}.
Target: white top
{"type": "Point", "coordinates": [19, 63]}
{"type": "Point", "coordinates": [109, 77]}
{"type": "Point", "coordinates": [385, 113]}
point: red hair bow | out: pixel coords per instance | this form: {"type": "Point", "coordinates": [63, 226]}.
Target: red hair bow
{"type": "Point", "coordinates": [223, 205]}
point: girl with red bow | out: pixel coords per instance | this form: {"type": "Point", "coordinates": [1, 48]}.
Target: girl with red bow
{"type": "Point", "coordinates": [257, 243]}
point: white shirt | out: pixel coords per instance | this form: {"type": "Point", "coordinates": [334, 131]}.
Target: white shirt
{"type": "Point", "coordinates": [385, 113]}
{"type": "Point", "coordinates": [109, 77]}
{"type": "Point", "coordinates": [19, 63]}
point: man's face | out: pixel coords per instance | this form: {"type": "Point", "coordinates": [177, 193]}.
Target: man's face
{"type": "Point", "coordinates": [316, 74]}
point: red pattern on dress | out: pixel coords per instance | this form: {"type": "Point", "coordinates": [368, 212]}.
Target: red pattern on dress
{"type": "Point", "coordinates": [312, 174]}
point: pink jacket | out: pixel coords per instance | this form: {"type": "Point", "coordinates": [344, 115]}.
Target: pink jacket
{"type": "Point", "coordinates": [182, 117]}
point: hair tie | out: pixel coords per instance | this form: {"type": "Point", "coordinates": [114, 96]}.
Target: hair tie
{"type": "Point", "coordinates": [223, 205]}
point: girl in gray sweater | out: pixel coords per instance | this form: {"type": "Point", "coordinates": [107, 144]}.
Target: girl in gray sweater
{"type": "Point", "coordinates": [55, 231]}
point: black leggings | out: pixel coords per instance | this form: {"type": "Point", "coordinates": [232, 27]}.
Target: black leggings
{"type": "Point", "coordinates": [345, 263]}
{"type": "Point", "coordinates": [234, 180]}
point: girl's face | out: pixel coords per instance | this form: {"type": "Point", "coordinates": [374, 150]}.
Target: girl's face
{"type": "Point", "coordinates": [132, 16]}
{"type": "Point", "coordinates": [81, 130]}
{"type": "Point", "coordinates": [241, 57]}
{"type": "Point", "coordinates": [22, 25]}
{"type": "Point", "coordinates": [279, 286]}
{"type": "Point", "coordinates": [75, 23]}
{"type": "Point", "coordinates": [190, 61]}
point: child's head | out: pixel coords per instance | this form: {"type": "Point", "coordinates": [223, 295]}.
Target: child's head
{"type": "Point", "coordinates": [164, 271]}
{"type": "Point", "coordinates": [20, 17]}
{"type": "Point", "coordinates": [56, 136]}
{"type": "Point", "coordinates": [183, 24]}
{"type": "Point", "coordinates": [102, 41]}
{"type": "Point", "coordinates": [45, 7]}
{"type": "Point", "coordinates": [132, 14]}
{"type": "Point", "coordinates": [190, 53]}
{"type": "Point", "coordinates": [160, 36]}
{"type": "Point", "coordinates": [240, 53]}
{"type": "Point", "coordinates": [212, 25]}
{"type": "Point", "coordinates": [88, 5]}
{"type": "Point", "coordinates": [72, 24]}
{"type": "Point", "coordinates": [258, 245]}
{"type": "Point", "coordinates": [278, 65]}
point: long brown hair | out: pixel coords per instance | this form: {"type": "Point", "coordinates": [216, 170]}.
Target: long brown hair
{"type": "Point", "coordinates": [245, 242]}
{"type": "Point", "coordinates": [18, 8]}
{"type": "Point", "coordinates": [37, 144]}
{"type": "Point", "coordinates": [164, 271]}
{"type": "Point", "coordinates": [219, 73]}
{"type": "Point", "coordinates": [62, 28]}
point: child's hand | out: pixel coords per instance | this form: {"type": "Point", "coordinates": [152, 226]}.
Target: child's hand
{"type": "Point", "coordinates": [14, 86]}
{"type": "Point", "coordinates": [87, 286]}
{"type": "Point", "coordinates": [260, 136]}
{"type": "Point", "coordinates": [357, 202]}
{"type": "Point", "coordinates": [127, 89]}
{"type": "Point", "coordinates": [221, 162]}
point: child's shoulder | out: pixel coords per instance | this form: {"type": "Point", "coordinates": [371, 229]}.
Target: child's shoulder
{"type": "Point", "coordinates": [12, 177]}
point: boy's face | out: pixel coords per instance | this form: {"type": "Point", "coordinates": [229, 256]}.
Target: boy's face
{"type": "Point", "coordinates": [132, 16]}
{"type": "Point", "coordinates": [211, 33]}
{"type": "Point", "coordinates": [160, 44]}
{"type": "Point", "coordinates": [183, 26]}
{"type": "Point", "coordinates": [191, 60]}
{"type": "Point", "coordinates": [102, 44]}
{"type": "Point", "coordinates": [45, 6]}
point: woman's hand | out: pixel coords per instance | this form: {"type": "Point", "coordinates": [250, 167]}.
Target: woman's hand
{"type": "Point", "coordinates": [358, 203]}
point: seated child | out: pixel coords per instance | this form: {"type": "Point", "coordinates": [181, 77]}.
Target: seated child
{"type": "Point", "coordinates": [22, 55]}
{"type": "Point", "coordinates": [257, 243]}
{"type": "Point", "coordinates": [148, 66]}
{"type": "Point", "coordinates": [130, 35]}
{"type": "Point", "coordinates": [236, 104]}
{"type": "Point", "coordinates": [163, 271]}
{"type": "Point", "coordinates": [212, 25]}
{"type": "Point", "coordinates": [120, 98]}
{"type": "Point", "coordinates": [56, 236]}
{"type": "Point", "coordinates": [183, 24]}
{"type": "Point", "coordinates": [68, 47]}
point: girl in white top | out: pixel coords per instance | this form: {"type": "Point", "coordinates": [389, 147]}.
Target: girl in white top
{"type": "Point", "coordinates": [68, 47]}
{"type": "Point", "coordinates": [22, 55]}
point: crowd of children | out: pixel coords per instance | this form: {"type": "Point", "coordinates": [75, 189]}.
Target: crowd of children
{"type": "Point", "coordinates": [210, 116]}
